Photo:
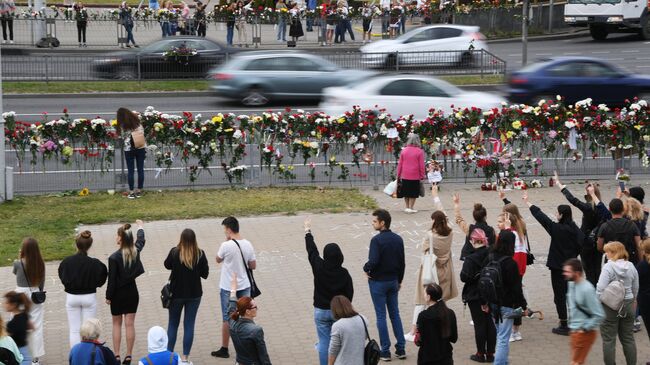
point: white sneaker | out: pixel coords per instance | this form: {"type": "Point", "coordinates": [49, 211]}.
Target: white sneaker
{"type": "Point", "coordinates": [471, 323]}
{"type": "Point", "coordinates": [512, 337]}
{"type": "Point", "coordinates": [414, 210]}
{"type": "Point", "coordinates": [186, 362]}
{"type": "Point", "coordinates": [409, 337]}
{"type": "Point", "coordinates": [11, 42]}
{"type": "Point", "coordinates": [517, 336]}
{"type": "Point", "coordinates": [407, 210]}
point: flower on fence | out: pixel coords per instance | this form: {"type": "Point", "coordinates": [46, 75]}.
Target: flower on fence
{"type": "Point", "coordinates": [84, 192]}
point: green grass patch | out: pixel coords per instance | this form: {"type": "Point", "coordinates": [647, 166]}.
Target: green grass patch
{"type": "Point", "coordinates": [461, 80]}
{"type": "Point", "coordinates": [61, 87]}
{"type": "Point", "coordinates": [52, 219]}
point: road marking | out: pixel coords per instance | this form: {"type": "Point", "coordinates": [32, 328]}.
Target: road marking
{"type": "Point", "coordinates": [643, 66]}
{"type": "Point", "coordinates": [543, 54]}
{"type": "Point", "coordinates": [514, 55]}
{"type": "Point", "coordinates": [600, 52]}
{"type": "Point", "coordinates": [572, 53]}
{"type": "Point", "coordinates": [643, 58]}
{"type": "Point", "coordinates": [614, 59]}
{"type": "Point", "coordinates": [631, 51]}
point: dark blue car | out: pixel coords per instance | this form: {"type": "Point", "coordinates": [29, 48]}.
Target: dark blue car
{"type": "Point", "coordinates": [576, 78]}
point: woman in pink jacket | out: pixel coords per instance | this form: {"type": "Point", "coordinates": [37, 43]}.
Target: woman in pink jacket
{"type": "Point", "coordinates": [410, 170]}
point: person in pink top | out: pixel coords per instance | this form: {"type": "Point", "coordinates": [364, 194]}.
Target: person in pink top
{"type": "Point", "coordinates": [410, 170]}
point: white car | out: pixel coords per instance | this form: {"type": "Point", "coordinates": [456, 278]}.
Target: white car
{"type": "Point", "coordinates": [452, 43]}
{"type": "Point", "coordinates": [404, 95]}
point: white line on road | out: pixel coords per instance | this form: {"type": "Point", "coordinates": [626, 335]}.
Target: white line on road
{"type": "Point", "coordinates": [571, 53]}
{"type": "Point", "coordinates": [614, 59]}
{"type": "Point", "coordinates": [543, 54]}
{"type": "Point", "coordinates": [631, 51]}
{"type": "Point", "coordinates": [643, 66]}
{"type": "Point", "coordinates": [514, 55]}
{"type": "Point", "coordinates": [600, 52]}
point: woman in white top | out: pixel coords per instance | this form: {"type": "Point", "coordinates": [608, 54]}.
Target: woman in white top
{"type": "Point", "coordinates": [132, 133]}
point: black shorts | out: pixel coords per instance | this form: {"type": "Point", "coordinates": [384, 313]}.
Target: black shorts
{"type": "Point", "coordinates": [367, 25]}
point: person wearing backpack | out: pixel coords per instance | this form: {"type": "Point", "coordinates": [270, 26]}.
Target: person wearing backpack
{"type": "Point", "coordinates": [348, 336]}
{"type": "Point", "coordinates": [620, 229]}
{"type": "Point", "coordinates": [618, 273]}
{"type": "Point", "coordinates": [585, 311]}
{"type": "Point", "coordinates": [484, 329]}
{"type": "Point", "coordinates": [566, 243]}
{"type": "Point", "coordinates": [437, 330]}
{"type": "Point", "coordinates": [479, 213]}
{"type": "Point", "coordinates": [500, 286]}
{"type": "Point", "coordinates": [589, 226]}
{"type": "Point", "coordinates": [157, 347]}
{"type": "Point", "coordinates": [90, 351]}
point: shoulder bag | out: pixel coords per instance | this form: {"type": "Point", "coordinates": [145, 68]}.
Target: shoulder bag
{"type": "Point", "coordinates": [166, 293]}
{"type": "Point", "coordinates": [371, 352]}
{"type": "Point", "coordinates": [38, 297]}
{"type": "Point", "coordinates": [429, 269]}
{"type": "Point", "coordinates": [530, 258]}
{"type": "Point", "coordinates": [138, 138]}
{"type": "Point", "coordinates": [255, 290]}
{"type": "Point", "coordinates": [613, 296]}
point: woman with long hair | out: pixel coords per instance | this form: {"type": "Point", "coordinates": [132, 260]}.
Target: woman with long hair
{"type": "Point", "coordinates": [479, 213]}
{"type": "Point", "coordinates": [348, 333]}
{"type": "Point", "coordinates": [591, 221]}
{"type": "Point", "coordinates": [410, 172]}
{"type": "Point", "coordinates": [81, 16]}
{"type": "Point", "coordinates": [188, 264]}
{"type": "Point", "coordinates": [247, 336]}
{"type": "Point", "coordinates": [618, 322]}
{"type": "Point", "coordinates": [128, 125]}
{"type": "Point", "coordinates": [438, 239]}
{"type": "Point", "coordinates": [30, 277]}
{"type": "Point", "coordinates": [437, 330]}
{"type": "Point", "coordinates": [124, 266]}
{"type": "Point", "coordinates": [19, 326]}
{"type": "Point", "coordinates": [81, 275]}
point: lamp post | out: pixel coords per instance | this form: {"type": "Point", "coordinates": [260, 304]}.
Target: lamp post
{"type": "Point", "coordinates": [524, 32]}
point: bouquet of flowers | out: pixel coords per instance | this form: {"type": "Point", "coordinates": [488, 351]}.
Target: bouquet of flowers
{"type": "Point", "coordinates": [182, 54]}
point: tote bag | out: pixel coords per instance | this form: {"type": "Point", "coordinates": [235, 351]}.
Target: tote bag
{"type": "Point", "coordinates": [429, 270]}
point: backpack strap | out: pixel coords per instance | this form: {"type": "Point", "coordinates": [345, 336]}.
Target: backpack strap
{"type": "Point", "coordinates": [92, 355]}
{"type": "Point", "coordinates": [365, 327]}
{"type": "Point", "coordinates": [148, 360]}
{"type": "Point", "coordinates": [171, 358]}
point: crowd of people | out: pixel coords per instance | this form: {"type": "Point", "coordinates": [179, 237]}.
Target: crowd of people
{"type": "Point", "coordinates": [607, 289]}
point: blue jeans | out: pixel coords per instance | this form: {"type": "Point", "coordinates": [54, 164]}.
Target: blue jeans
{"type": "Point", "coordinates": [384, 295]}
{"type": "Point", "coordinates": [191, 306]}
{"type": "Point", "coordinates": [27, 358]}
{"type": "Point", "coordinates": [347, 26]}
{"type": "Point", "coordinates": [225, 300]}
{"type": "Point", "coordinates": [324, 322]}
{"type": "Point", "coordinates": [230, 33]}
{"type": "Point", "coordinates": [166, 28]}
{"type": "Point", "coordinates": [282, 29]}
{"type": "Point", "coordinates": [339, 32]}
{"type": "Point", "coordinates": [129, 35]}
{"type": "Point", "coordinates": [504, 329]}
{"type": "Point", "coordinates": [133, 158]}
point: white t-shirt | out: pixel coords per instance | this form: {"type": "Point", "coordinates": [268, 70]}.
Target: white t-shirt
{"type": "Point", "coordinates": [232, 262]}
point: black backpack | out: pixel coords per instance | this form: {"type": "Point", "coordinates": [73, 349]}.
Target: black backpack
{"type": "Point", "coordinates": [490, 283]}
{"type": "Point", "coordinates": [7, 357]}
{"type": "Point", "coordinates": [371, 352]}
{"type": "Point", "coordinates": [622, 235]}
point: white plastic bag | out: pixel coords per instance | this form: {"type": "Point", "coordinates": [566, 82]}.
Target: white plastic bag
{"type": "Point", "coordinates": [391, 188]}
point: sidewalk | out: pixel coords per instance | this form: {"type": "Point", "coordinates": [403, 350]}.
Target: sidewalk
{"type": "Point", "coordinates": [284, 276]}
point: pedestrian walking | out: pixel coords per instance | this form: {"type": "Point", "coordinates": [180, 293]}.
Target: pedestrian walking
{"type": "Point", "coordinates": [19, 326]}
{"type": "Point", "coordinates": [158, 349]}
{"type": "Point", "coordinates": [7, 15]}
{"type": "Point", "coordinates": [230, 23]}
{"type": "Point", "coordinates": [247, 336]}
{"type": "Point", "coordinates": [510, 301]}
{"type": "Point", "coordinates": [30, 278]}
{"type": "Point", "coordinates": [622, 230]}
{"type": "Point", "coordinates": [81, 275]}
{"type": "Point", "coordinates": [131, 131]}
{"type": "Point", "coordinates": [410, 172]}
{"type": "Point", "coordinates": [330, 280]}
{"type": "Point", "coordinates": [91, 351]}
{"type": "Point", "coordinates": [437, 240]}
{"type": "Point", "coordinates": [236, 255]}
{"type": "Point", "coordinates": [281, 13]}
{"type": "Point", "coordinates": [81, 17]}
{"type": "Point", "coordinates": [437, 330]}
{"type": "Point", "coordinates": [479, 213]}
{"type": "Point", "coordinates": [385, 271]}
{"type": "Point", "coordinates": [643, 299]}
{"type": "Point", "coordinates": [188, 264]}
{"type": "Point", "coordinates": [7, 343]}
{"type": "Point", "coordinates": [200, 18]}
{"type": "Point", "coordinates": [591, 221]}
{"type": "Point", "coordinates": [124, 266]}
{"type": "Point", "coordinates": [585, 311]}
{"type": "Point", "coordinates": [618, 322]}
{"type": "Point", "coordinates": [126, 19]}
{"type": "Point", "coordinates": [566, 243]}
{"type": "Point", "coordinates": [348, 333]}
{"type": "Point", "coordinates": [367, 13]}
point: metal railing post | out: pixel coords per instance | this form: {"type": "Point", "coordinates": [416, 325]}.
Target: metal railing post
{"type": "Point", "coordinates": [47, 69]}
{"type": "Point", "coordinates": [139, 71]}
{"type": "Point", "coordinates": [550, 16]}
{"type": "Point", "coordinates": [396, 61]}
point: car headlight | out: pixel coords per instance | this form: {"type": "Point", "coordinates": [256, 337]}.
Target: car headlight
{"type": "Point", "coordinates": [615, 19]}
{"type": "Point", "coordinates": [569, 19]}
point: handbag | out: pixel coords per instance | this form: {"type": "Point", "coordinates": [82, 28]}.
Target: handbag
{"type": "Point", "coordinates": [429, 269]}
{"type": "Point", "coordinates": [371, 352]}
{"type": "Point", "coordinates": [166, 293]}
{"type": "Point", "coordinates": [422, 191]}
{"type": "Point", "coordinates": [138, 138]}
{"type": "Point", "coordinates": [530, 258]}
{"type": "Point", "coordinates": [38, 297]}
{"type": "Point", "coordinates": [613, 296]}
{"type": "Point", "coordinates": [255, 290]}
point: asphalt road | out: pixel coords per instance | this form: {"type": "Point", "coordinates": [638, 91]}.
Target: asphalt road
{"type": "Point", "coordinates": [625, 50]}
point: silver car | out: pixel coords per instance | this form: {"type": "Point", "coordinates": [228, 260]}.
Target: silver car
{"type": "Point", "coordinates": [256, 78]}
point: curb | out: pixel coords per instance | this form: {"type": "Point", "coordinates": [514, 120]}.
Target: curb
{"type": "Point", "coordinates": [546, 37]}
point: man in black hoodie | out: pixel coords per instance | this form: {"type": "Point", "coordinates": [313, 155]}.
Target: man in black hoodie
{"type": "Point", "coordinates": [566, 243]}
{"type": "Point", "coordinates": [330, 279]}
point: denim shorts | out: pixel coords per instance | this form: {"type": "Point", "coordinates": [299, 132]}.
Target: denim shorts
{"type": "Point", "coordinates": [225, 301]}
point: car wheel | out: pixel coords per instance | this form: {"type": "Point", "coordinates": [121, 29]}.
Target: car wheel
{"type": "Point", "coordinates": [254, 97]}
{"type": "Point", "coordinates": [645, 28]}
{"type": "Point", "coordinates": [126, 73]}
{"type": "Point", "coordinates": [598, 33]}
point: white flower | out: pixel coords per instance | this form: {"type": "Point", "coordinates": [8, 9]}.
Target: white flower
{"type": "Point", "coordinates": [383, 130]}
{"type": "Point", "coordinates": [189, 144]}
{"type": "Point", "coordinates": [569, 124]}
{"type": "Point", "coordinates": [313, 145]}
{"type": "Point", "coordinates": [635, 107]}
{"type": "Point", "coordinates": [558, 97]}
{"type": "Point", "coordinates": [11, 114]}
{"type": "Point", "coordinates": [238, 134]}
{"type": "Point", "coordinates": [642, 103]}
{"type": "Point", "coordinates": [352, 140]}
{"type": "Point", "coordinates": [584, 103]}
{"type": "Point", "coordinates": [213, 145]}
{"type": "Point", "coordinates": [603, 107]}
{"type": "Point", "coordinates": [266, 150]}
{"type": "Point", "coordinates": [359, 146]}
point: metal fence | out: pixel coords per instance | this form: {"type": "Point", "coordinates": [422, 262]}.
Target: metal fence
{"type": "Point", "coordinates": [54, 176]}
{"type": "Point", "coordinates": [139, 65]}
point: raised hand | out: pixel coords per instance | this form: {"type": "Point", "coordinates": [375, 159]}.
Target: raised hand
{"type": "Point", "coordinates": [506, 220]}
{"type": "Point", "coordinates": [556, 177]}
{"type": "Point", "coordinates": [139, 223]}
{"type": "Point", "coordinates": [456, 198]}
{"type": "Point", "coordinates": [502, 194]}
{"type": "Point", "coordinates": [307, 223]}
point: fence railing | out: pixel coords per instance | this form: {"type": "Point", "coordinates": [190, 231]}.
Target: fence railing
{"type": "Point", "coordinates": [54, 176]}
{"type": "Point", "coordinates": [138, 65]}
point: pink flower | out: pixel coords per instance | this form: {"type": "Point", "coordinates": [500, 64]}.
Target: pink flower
{"type": "Point", "coordinates": [552, 134]}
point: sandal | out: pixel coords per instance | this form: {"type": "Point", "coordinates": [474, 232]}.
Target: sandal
{"type": "Point", "coordinates": [118, 359]}
{"type": "Point", "coordinates": [127, 360]}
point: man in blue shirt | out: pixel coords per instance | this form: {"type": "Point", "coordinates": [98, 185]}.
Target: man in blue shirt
{"type": "Point", "coordinates": [311, 5]}
{"type": "Point", "coordinates": [385, 271]}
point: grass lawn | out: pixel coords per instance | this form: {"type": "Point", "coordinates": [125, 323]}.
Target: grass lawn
{"type": "Point", "coordinates": [52, 219]}
{"type": "Point", "coordinates": [59, 87]}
